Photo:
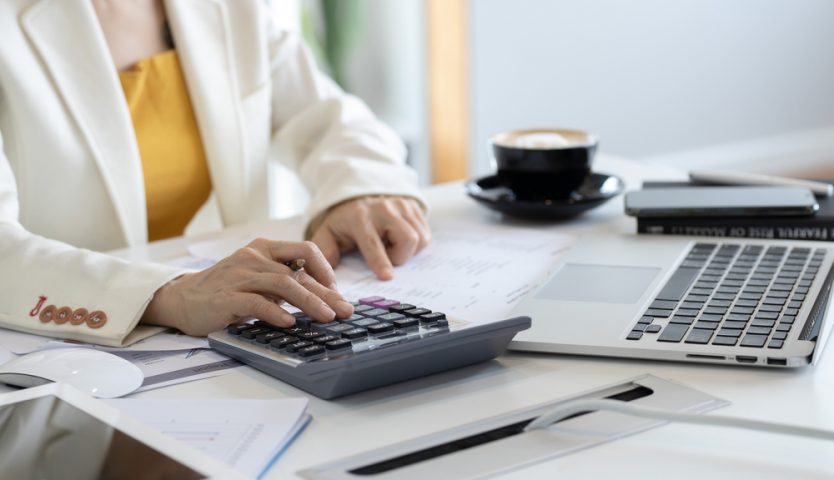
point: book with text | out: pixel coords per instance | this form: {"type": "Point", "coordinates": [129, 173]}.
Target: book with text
{"type": "Point", "coordinates": [818, 227]}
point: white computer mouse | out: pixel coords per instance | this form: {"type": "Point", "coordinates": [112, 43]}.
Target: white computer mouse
{"type": "Point", "coordinates": [98, 373]}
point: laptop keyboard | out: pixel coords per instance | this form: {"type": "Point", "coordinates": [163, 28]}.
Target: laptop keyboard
{"type": "Point", "coordinates": [730, 294]}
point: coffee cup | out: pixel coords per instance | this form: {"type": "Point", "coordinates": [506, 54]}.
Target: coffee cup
{"type": "Point", "coordinates": [547, 162]}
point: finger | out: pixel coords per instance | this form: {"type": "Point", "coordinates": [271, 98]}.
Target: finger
{"type": "Point", "coordinates": [333, 298]}
{"type": "Point", "coordinates": [316, 265]}
{"type": "Point", "coordinates": [287, 288]}
{"type": "Point", "coordinates": [370, 246]}
{"type": "Point", "coordinates": [328, 245]}
{"type": "Point", "coordinates": [245, 305]}
{"type": "Point", "coordinates": [403, 240]}
{"type": "Point", "coordinates": [414, 215]}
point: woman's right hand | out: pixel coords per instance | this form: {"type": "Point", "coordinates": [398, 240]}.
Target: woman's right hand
{"type": "Point", "coordinates": [250, 283]}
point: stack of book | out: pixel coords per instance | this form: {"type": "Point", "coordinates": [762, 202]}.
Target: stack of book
{"type": "Point", "coordinates": [819, 226]}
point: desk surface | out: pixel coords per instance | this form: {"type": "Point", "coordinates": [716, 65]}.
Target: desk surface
{"type": "Point", "coordinates": [399, 412]}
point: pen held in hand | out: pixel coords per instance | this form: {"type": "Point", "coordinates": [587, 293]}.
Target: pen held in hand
{"type": "Point", "coordinates": [295, 264]}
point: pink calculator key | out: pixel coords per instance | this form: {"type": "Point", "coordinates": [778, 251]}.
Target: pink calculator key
{"type": "Point", "coordinates": [370, 300]}
{"type": "Point", "coordinates": [385, 303]}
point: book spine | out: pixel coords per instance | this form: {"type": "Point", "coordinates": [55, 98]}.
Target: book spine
{"type": "Point", "coordinates": [817, 233]}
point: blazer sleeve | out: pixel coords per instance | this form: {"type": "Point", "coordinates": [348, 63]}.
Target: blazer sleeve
{"type": "Point", "coordinates": [54, 289]}
{"type": "Point", "coordinates": [340, 149]}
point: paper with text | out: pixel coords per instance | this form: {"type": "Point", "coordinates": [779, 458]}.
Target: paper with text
{"type": "Point", "coordinates": [476, 273]}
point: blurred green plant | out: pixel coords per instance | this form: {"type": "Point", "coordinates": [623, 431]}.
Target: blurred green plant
{"type": "Point", "coordinates": [332, 29]}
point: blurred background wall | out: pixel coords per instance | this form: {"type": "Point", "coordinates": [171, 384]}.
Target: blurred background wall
{"type": "Point", "coordinates": [741, 84]}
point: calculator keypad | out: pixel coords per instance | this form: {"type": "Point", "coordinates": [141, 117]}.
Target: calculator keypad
{"type": "Point", "coordinates": [376, 322]}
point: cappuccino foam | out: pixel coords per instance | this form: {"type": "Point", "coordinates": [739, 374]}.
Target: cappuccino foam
{"type": "Point", "coordinates": [542, 139]}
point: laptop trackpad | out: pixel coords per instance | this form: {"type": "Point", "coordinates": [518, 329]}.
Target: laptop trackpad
{"type": "Point", "coordinates": [598, 283]}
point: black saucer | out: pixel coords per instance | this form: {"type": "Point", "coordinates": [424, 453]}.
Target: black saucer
{"type": "Point", "coordinates": [497, 194]}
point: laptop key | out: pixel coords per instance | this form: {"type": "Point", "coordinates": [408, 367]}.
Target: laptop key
{"type": "Point", "coordinates": [664, 304]}
{"type": "Point", "coordinates": [687, 312]}
{"type": "Point", "coordinates": [706, 325]}
{"type": "Point", "coordinates": [780, 335]}
{"type": "Point", "coordinates": [734, 325]}
{"type": "Point", "coordinates": [699, 336]}
{"type": "Point", "coordinates": [682, 320]}
{"type": "Point", "coordinates": [653, 328]}
{"type": "Point", "coordinates": [775, 344]}
{"type": "Point", "coordinates": [634, 335]}
{"type": "Point", "coordinates": [710, 317]}
{"type": "Point", "coordinates": [755, 341]}
{"type": "Point", "coordinates": [673, 333]}
{"type": "Point", "coordinates": [679, 283]}
{"type": "Point", "coordinates": [763, 323]}
{"type": "Point", "coordinates": [655, 312]}
{"type": "Point", "coordinates": [726, 332]}
{"type": "Point", "coordinates": [725, 341]}
{"type": "Point", "coordinates": [759, 331]}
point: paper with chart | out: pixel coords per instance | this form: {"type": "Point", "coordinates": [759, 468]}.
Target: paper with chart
{"type": "Point", "coordinates": [248, 434]}
{"type": "Point", "coordinates": [21, 343]}
{"type": "Point", "coordinates": [169, 368]}
{"type": "Point", "coordinates": [476, 273]}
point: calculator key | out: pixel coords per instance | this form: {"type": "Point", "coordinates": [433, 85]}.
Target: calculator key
{"type": "Point", "coordinates": [390, 317]}
{"type": "Point", "coordinates": [432, 317]}
{"type": "Point", "coordinates": [371, 300]}
{"type": "Point", "coordinates": [303, 321]}
{"type": "Point", "coordinates": [294, 347]}
{"type": "Point", "coordinates": [405, 323]}
{"type": "Point", "coordinates": [401, 308]}
{"type": "Point", "coordinates": [325, 338]}
{"type": "Point", "coordinates": [339, 328]}
{"type": "Point", "coordinates": [294, 330]}
{"type": "Point", "coordinates": [239, 328]}
{"type": "Point", "coordinates": [311, 351]}
{"type": "Point", "coordinates": [268, 337]}
{"type": "Point", "coordinates": [416, 312]}
{"type": "Point", "coordinates": [375, 312]}
{"type": "Point", "coordinates": [381, 327]}
{"type": "Point", "coordinates": [251, 333]}
{"type": "Point", "coordinates": [442, 323]}
{"type": "Point", "coordinates": [338, 345]}
{"type": "Point", "coordinates": [355, 333]}
{"type": "Point", "coordinates": [362, 308]}
{"type": "Point", "coordinates": [385, 304]}
{"type": "Point", "coordinates": [354, 318]}
{"type": "Point", "coordinates": [281, 343]}
{"type": "Point", "coordinates": [310, 335]}
{"type": "Point", "coordinates": [365, 322]}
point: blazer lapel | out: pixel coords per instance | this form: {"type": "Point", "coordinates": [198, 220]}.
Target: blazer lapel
{"type": "Point", "coordinates": [204, 44]}
{"type": "Point", "coordinates": [67, 35]}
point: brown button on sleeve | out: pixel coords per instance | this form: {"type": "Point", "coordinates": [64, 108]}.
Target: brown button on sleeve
{"type": "Point", "coordinates": [96, 319]}
{"type": "Point", "coordinates": [79, 316]}
{"type": "Point", "coordinates": [63, 315]}
{"type": "Point", "coordinates": [48, 313]}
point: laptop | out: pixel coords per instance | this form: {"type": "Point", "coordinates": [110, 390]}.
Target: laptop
{"type": "Point", "coordinates": [689, 299]}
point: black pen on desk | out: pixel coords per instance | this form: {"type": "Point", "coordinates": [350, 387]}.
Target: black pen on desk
{"type": "Point", "coordinates": [295, 264]}
{"type": "Point", "coordinates": [819, 189]}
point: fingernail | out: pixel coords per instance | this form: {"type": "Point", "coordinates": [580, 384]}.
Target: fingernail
{"type": "Point", "coordinates": [327, 312]}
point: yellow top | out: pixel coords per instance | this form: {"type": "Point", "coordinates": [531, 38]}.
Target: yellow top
{"type": "Point", "coordinates": [174, 165]}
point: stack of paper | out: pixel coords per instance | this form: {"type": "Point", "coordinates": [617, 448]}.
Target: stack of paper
{"type": "Point", "coordinates": [248, 435]}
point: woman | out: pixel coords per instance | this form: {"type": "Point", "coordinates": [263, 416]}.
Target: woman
{"type": "Point", "coordinates": [118, 118]}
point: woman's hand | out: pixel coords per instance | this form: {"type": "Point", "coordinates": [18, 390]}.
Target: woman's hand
{"type": "Point", "coordinates": [250, 283]}
{"type": "Point", "coordinates": [386, 230]}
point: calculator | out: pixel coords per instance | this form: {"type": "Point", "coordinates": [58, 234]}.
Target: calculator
{"type": "Point", "coordinates": [383, 342]}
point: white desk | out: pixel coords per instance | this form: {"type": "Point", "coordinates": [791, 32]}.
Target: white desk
{"type": "Point", "coordinates": [379, 417]}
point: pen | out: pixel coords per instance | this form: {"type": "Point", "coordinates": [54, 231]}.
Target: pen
{"type": "Point", "coordinates": [819, 189]}
{"type": "Point", "coordinates": [295, 264]}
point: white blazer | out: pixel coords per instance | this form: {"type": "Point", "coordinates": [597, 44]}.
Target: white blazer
{"type": "Point", "coordinates": [70, 174]}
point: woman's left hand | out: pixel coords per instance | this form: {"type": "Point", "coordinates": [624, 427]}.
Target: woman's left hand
{"type": "Point", "coordinates": [387, 231]}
